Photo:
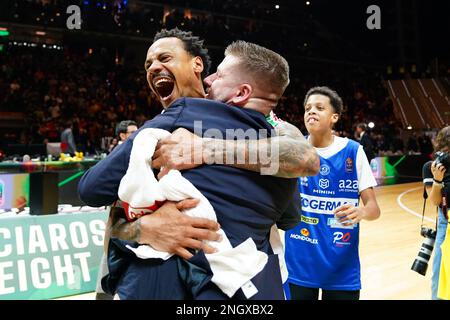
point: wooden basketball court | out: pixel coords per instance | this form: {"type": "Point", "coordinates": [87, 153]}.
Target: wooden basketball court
{"type": "Point", "coordinates": [388, 246]}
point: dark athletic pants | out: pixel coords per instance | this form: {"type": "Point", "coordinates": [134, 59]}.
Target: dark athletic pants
{"type": "Point", "coordinates": [304, 293]}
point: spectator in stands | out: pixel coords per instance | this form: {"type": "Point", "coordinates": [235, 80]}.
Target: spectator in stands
{"type": "Point", "coordinates": [365, 140]}
{"type": "Point", "coordinates": [412, 146]}
{"type": "Point", "coordinates": [67, 140]}
{"type": "Point", "coordinates": [397, 145]}
{"type": "Point", "coordinates": [114, 143]}
{"type": "Point", "coordinates": [425, 144]}
{"type": "Point", "coordinates": [125, 129]}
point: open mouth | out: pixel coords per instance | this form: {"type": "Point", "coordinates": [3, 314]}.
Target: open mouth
{"type": "Point", "coordinates": [164, 85]}
{"type": "Point", "coordinates": [311, 120]}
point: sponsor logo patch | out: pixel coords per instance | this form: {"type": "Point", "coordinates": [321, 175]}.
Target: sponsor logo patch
{"type": "Point", "coordinates": [309, 220]}
{"type": "Point", "coordinates": [323, 205]}
{"type": "Point", "coordinates": [324, 183]}
{"type": "Point", "coordinates": [304, 181]}
{"type": "Point", "coordinates": [341, 239]}
{"type": "Point", "coordinates": [324, 170]}
{"type": "Point", "coordinates": [304, 236]}
{"type": "Point", "coordinates": [334, 223]}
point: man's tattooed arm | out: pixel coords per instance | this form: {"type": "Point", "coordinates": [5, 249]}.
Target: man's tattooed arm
{"type": "Point", "coordinates": [286, 155]}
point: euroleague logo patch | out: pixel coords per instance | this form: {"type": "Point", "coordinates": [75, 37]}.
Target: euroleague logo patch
{"type": "Point", "coordinates": [349, 165]}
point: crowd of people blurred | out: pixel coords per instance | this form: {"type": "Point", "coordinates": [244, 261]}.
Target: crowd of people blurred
{"type": "Point", "coordinates": [53, 87]}
{"type": "Point", "coordinates": [219, 22]}
{"type": "Point", "coordinates": [93, 91]}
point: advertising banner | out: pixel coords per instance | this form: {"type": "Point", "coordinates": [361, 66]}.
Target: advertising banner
{"type": "Point", "coordinates": [50, 256]}
{"type": "Point", "coordinates": [14, 190]}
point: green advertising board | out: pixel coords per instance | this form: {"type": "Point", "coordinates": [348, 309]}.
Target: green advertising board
{"type": "Point", "coordinates": [45, 257]}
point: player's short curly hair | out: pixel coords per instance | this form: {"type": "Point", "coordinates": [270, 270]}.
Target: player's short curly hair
{"type": "Point", "coordinates": [335, 99]}
{"type": "Point", "coordinates": [192, 44]}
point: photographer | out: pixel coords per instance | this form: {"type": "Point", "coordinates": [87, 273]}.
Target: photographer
{"type": "Point", "coordinates": [436, 178]}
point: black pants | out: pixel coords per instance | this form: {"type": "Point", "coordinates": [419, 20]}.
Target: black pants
{"type": "Point", "coordinates": [304, 293]}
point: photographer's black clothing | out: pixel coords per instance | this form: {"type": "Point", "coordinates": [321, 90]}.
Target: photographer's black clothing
{"type": "Point", "coordinates": [428, 178]}
{"type": "Point", "coordinates": [440, 230]}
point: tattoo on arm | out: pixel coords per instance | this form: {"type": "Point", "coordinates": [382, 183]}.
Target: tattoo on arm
{"type": "Point", "coordinates": [288, 152]}
{"type": "Point", "coordinates": [123, 229]}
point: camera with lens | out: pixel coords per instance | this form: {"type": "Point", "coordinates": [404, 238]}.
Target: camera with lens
{"type": "Point", "coordinates": [444, 158]}
{"type": "Point", "coordinates": [420, 264]}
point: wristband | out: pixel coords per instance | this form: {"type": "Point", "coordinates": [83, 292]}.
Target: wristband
{"type": "Point", "coordinates": [437, 181]}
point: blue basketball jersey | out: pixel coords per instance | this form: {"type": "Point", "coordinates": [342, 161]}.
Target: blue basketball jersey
{"type": "Point", "coordinates": [320, 251]}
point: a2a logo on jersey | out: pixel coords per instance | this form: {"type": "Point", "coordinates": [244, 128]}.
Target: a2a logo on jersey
{"type": "Point", "coordinates": [348, 185]}
{"type": "Point", "coordinates": [341, 239]}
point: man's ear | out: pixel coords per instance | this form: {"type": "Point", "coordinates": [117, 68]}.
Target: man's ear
{"type": "Point", "coordinates": [243, 94]}
{"type": "Point", "coordinates": [198, 65]}
{"type": "Point", "coordinates": [334, 118]}
{"type": "Point", "coordinates": [122, 136]}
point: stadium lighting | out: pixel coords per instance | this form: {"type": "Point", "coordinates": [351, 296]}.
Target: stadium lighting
{"type": "Point", "coordinates": [308, 3]}
{"type": "Point", "coordinates": [371, 125]}
{"type": "Point", "coordinates": [40, 33]}
{"type": "Point", "coordinates": [277, 6]}
{"type": "Point", "coordinates": [409, 127]}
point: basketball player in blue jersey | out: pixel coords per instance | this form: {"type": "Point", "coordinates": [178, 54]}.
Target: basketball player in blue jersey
{"type": "Point", "coordinates": [322, 251]}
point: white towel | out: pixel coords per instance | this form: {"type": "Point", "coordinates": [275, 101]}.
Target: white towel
{"type": "Point", "coordinates": [232, 267]}
{"type": "Point", "coordinates": [278, 248]}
